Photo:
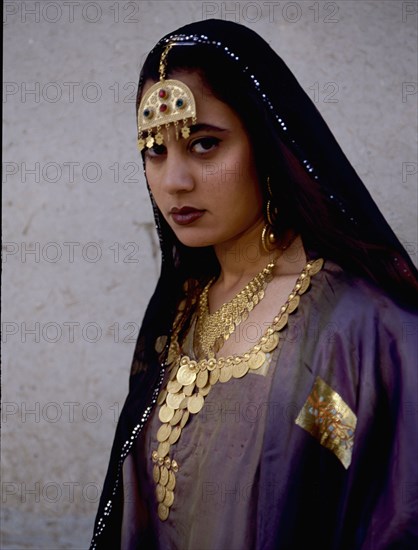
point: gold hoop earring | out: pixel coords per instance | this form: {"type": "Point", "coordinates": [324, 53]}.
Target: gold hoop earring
{"type": "Point", "coordinates": [268, 238]}
{"type": "Point", "coordinates": [271, 213]}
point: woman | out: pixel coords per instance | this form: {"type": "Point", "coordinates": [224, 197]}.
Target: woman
{"type": "Point", "coordinates": [274, 379]}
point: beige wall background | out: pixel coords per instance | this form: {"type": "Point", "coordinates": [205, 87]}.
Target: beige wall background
{"type": "Point", "coordinates": [80, 257]}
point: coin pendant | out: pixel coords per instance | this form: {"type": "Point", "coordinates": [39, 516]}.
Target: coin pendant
{"type": "Point", "coordinates": [169, 498]}
{"type": "Point", "coordinates": [256, 360]}
{"type": "Point", "coordinates": [202, 378]}
{"type": "Point", "coordinates": [172, 355]}
{"type": "Point", "coordinates": [261, 358]}
{"type": "Point", "coordinates": [184, 418]}
{"type": "Point", "coordinates": [175, 434]}
{"type": "Point", "coordinates": [240, 370]}
{"type": "Point", "coordinates": [195, 403]}
{"type": "Point", "coordinates": [174, 386]}
{"type": "Point", "coordinates": [282, 322]}
{"type": "Point", "coordinates": [160, 493]}
{"type": "Point", "coordinates": [173, 371]}
{"type": "Point", "coordinates": [163, 449]}
{"type": "Point", "coordinates": [183, 404]}
{"type": "Point", "coordinates": [163, 432]}
{"type": "Point", "coordinates": [174, 400]}
{"type": "Point", "coordinates": [160, 343]}
{"type": "Point", "coordinates": [156, 473]}
{"type": "Point", "coordinates": [316, 266]}
{"type": "Point", "coordinates": [293, 304]}
{"type": "Point", "coordinates": [188, 390]}
{"type": "Point", "coordinates": [171, 481]}
{"type": "Point", "coordinates": [304, 285]}
{"type": "Point", "coordinates": [163, 476]}
{"type": "Point", "coordinates": [214, 376]}
{"type": "Point", "coordinates": [163, 511]}
{"type": "Point", "coordinates": [161, 397]}
{"type": "Point", "coordinates": [177, 416]}
{"type": "Point", "coordinates": [185, 376]}
{"type": "Point", "coordinates": [271, 343]}
{"type": "Point", "coordinates": [166, 413]}
{"type": "Point", "coordinates": [204, 391]}
{"type": "Point", "coordinates": [226, 373]}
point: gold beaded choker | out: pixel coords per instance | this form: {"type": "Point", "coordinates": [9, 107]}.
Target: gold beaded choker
{"type": "Point", "coordinates": [213, 329]}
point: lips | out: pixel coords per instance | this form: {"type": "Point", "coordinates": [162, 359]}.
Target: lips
{"type": "Point", "coordinates": [186, 215]}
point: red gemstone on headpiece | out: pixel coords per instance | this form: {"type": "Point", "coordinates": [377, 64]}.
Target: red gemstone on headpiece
{"type": "Point", "coordinates": [162, 93]}
{"type": "Point", "coordinates": [163, 107]}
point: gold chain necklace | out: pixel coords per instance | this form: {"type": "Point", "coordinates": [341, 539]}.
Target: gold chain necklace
{"type": "Point", "coordinates": [213, 329]}
{"type": "Point", "coordinates": [191, 381]}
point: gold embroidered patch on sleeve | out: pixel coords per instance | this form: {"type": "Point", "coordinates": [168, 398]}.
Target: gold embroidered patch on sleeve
{"type": "Point", "coordinates": [330, 420]}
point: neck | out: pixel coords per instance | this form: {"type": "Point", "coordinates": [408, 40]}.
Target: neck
{"type": "Point", "coordinates": [242, 258]}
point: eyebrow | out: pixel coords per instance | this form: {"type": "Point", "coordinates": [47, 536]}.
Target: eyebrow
{"type": "Point", "coordinates": [205, 127]}
{"type": "Point", "coordinates": [199, 128]}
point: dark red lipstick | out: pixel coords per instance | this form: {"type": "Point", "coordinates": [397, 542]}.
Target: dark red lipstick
{"type": "Point", "coordinates": [186, 215]}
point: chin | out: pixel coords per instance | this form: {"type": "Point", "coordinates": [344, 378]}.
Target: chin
{"type": "Point", "coordinates": [192, 239]}
{"type": "Point", "coordinates": [195, 243]}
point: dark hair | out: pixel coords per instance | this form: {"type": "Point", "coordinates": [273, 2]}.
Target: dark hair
{"type": "Point", "coordinates": [303, 203]}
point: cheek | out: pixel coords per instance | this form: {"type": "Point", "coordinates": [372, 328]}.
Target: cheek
{"type": "Point", "coordinates": [240, 178]}
{"type": "Point", "coordinates": [233, 171]}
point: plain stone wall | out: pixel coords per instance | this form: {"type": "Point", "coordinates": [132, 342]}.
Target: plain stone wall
{"type": "Point", "coordinates": [72, 174]}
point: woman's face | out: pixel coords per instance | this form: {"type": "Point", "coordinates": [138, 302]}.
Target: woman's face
{"type": "Point", "coordinates": [206, 186]}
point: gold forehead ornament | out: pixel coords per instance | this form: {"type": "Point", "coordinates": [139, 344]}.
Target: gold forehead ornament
{"type": "Point", "coordinates": [166, 102]}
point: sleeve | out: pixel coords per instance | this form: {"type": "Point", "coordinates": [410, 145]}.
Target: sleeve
{"type": "Point", "coordinates": [362, 406]}
{"type": "Point", "coordinates": [394, 517]}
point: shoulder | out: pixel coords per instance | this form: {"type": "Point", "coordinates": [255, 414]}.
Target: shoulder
{"type": "Point", "coordinates": [358, 339]}
{"type": "Point", "coordinates": [356, 298]}
{"type": "Point", "coordinates": [358, 327]}
{"type": "Point", "coordinates": [352, 321]}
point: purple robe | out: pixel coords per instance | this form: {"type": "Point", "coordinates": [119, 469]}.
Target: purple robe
{"type": "Point", "coordinates": [349, 351]}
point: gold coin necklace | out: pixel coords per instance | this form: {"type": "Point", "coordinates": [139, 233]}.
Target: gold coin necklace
{"type": "Point", "coordinates": [191, 381]}
{"type": "Point", "coordinates": [213, 329]}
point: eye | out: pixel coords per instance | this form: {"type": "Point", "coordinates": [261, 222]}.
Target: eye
{"type": "Point", "coordinates": [204, 145]}
{"type": "Point", "coordinates": [156, 151]}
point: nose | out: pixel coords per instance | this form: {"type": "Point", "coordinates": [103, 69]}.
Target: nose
{"type": "Point", "coordinates": [176, 176]}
